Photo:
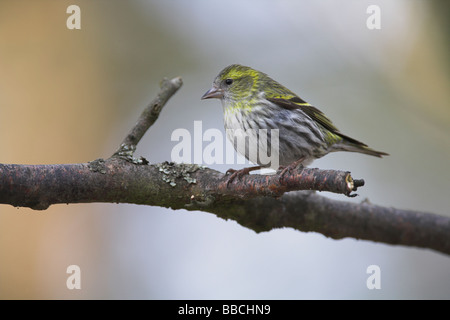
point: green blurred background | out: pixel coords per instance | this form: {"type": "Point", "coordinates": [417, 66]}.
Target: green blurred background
{"type": "Point", "coordinates": [70, 96]}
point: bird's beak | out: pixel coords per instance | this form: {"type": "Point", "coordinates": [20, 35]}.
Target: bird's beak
{"type": "Point", "coordinates": [214, 92]}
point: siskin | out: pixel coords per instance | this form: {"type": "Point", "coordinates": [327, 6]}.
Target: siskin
{"type": "Point", "coordinates": [253, 101]}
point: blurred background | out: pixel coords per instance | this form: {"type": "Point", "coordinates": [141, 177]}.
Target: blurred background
{"type": "Point", "coordinates": [69, 96]}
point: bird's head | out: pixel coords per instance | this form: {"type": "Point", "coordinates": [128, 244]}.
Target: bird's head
{"type": "Point", "coordinates": [237, 83]}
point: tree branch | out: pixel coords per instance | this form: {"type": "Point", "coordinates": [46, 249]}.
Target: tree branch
{"type": "Point", "coordinates": [253, 202]}
{"type": "Point", "coordinates": [165, 184]}
{"type": "Point", "coordinates": [258, 202]}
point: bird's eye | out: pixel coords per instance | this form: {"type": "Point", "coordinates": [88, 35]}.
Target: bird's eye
{"type": "Point", "coordinates": [228, 81]}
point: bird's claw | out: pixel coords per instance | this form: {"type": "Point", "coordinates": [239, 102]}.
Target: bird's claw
{"type": "Point", "coordinates": [289, 168]}
{"type": "Point", "coordinates": [239, 173]}
{"type": "Point", "coordinates": [236, 174]}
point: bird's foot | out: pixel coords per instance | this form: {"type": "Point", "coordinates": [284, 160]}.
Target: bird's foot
{"type": "Point", "coordinates": [290, 168]}
{"type": "Point", "coordinates": [239, 173]}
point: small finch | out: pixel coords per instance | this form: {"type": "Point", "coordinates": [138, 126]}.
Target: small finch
{"type": "Point", "coordinates": [254, 105]}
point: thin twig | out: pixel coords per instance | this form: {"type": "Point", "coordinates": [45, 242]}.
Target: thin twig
{"type": "Point", "coordinates": [148, 116]}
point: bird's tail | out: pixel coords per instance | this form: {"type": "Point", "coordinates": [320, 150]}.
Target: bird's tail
{"type": "Point", "coordinates": [362, 149]}
{"type": "Point", "coordinates": [352, 145]}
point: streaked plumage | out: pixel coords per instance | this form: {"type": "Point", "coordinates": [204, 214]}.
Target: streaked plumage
{"type": "Point", "coordinates": [253, 100]}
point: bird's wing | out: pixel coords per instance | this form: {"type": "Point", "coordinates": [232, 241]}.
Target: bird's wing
{"type": "Point", "coordinates": [314, 113]}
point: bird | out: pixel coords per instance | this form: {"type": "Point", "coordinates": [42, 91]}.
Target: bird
{"type": "Point", "coordinates": [260, 113]}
